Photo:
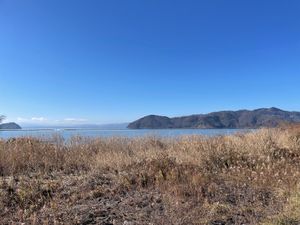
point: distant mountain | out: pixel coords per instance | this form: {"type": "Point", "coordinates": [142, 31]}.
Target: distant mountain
{"type": "Point", "coordinates": [264, 117]}
{"type": "Point", "coordinates": [9, 126]}
{"type": "Point", "coordinates": [115, 126]}
{"type": "Point", "coordinates": [112, 126]}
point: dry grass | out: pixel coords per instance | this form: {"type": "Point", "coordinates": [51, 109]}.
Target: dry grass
{"type": "Point", "coordinates": [251, 178]}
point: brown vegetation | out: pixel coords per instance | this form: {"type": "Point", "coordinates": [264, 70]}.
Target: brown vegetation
{"type": "Point", "coordinates": [251, 178]}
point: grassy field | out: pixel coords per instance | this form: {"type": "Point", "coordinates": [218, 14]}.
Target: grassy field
{"type": "Point", "coordinates": [249, 178]}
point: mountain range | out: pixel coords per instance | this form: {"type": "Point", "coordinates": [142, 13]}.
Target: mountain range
{"type": "Point", "coordinates": [263, 117]}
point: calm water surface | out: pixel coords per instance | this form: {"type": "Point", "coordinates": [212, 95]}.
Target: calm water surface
{"type": "Point", "coordinates": [67, 133]}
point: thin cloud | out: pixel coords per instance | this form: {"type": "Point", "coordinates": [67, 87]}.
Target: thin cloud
{"type": "Point", "coordinates": [45, 120]}
{"type": "Point", "coordinates": [40, 119]}
{"type": "Point", "coordinates": [75, 120]}
{"type": "Point", "coordinates": [33, 119]}
{"type": "Point", "coordinates": [21, 119]}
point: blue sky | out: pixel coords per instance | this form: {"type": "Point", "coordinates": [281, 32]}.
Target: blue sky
{"type": "Point", "coordinates": [96, 61]}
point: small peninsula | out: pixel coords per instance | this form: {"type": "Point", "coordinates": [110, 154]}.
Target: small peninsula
{"type": "Point", "coordinates": [10, 126]}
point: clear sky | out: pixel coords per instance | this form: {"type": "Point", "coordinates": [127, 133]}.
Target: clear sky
{"type": "Point", "coordinates": [109, 61]}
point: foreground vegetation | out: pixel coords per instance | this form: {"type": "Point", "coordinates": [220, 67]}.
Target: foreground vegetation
{"type": "Point", "coordinates": [251, 178]}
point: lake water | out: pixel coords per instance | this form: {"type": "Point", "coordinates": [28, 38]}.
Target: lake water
{"type": "Point", "coordinates": [67, 133]}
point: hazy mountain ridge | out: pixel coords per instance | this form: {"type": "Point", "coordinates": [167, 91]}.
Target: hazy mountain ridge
{"type": "Point", "coordinates": [264, 117]}
{"type": "Point", "coordinates": [111, 126]}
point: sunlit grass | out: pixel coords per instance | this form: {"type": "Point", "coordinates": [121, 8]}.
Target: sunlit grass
{"type": "Point", "coordinates": [251, 178]}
